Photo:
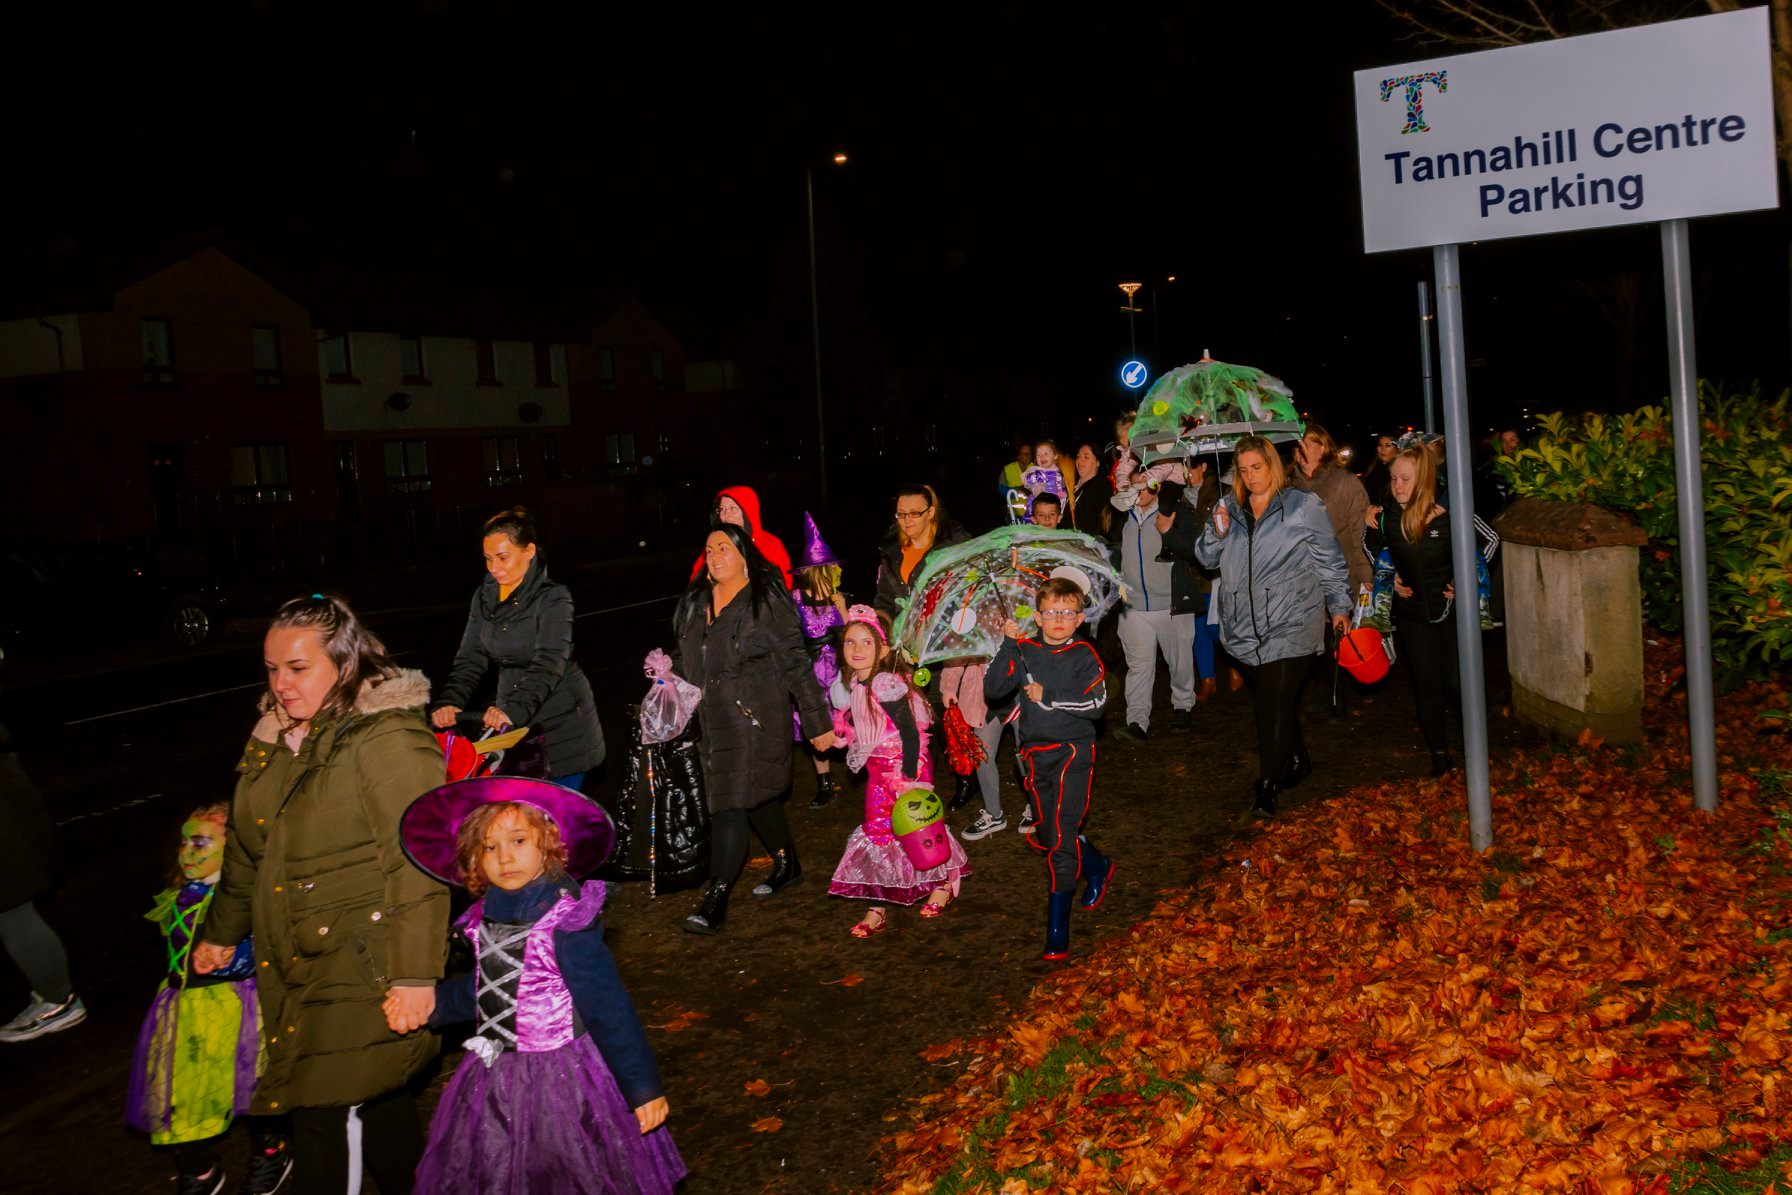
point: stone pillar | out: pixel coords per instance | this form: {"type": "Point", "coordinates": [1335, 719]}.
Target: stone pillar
{"type": "Point", "coordinates": [1574, 618]}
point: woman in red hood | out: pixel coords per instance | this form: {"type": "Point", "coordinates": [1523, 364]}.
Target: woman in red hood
{"type": "Point", "coordinates": [738, 504]}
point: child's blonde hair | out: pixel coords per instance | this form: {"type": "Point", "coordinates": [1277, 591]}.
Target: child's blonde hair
{"type": "Point", "coordinates": [819, 583]}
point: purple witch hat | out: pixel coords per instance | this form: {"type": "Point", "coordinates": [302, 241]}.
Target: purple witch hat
{"type": "Point", "coordinates": [430, 827]}
{"type": "Point", "coordinates": [815, 549]}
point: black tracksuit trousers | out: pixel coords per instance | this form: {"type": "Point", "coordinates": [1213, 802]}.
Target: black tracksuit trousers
{"type": "Point", "coordinates": [1060, 780]}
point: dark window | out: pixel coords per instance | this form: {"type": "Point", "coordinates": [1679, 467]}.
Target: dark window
{"type": "Point", "coordinates": [410, 359]}
{"type": "Point", "coordinates": [551, 468]}
{"type": "Point", "coordinates": [488, 362]}
{"type": "Point", "coordinates": [620, 450]}
{"type": "Point", "coordinates": [347, 463]}
{"type": "Point", "coordinates": [658, 360]}
{"type": "Point", "coordinates": [267, 356]}
{"type": "Point", "coordinates": [665, 443]}
{"type": "Point", "coordinates": [407, 466]}
{"type": "Point", "coordinates": [338, 362]}
{"type": "Point", "coordinates": [258, 475]}
{"type": "Point", "coordinates": [547, 364]}
{"type": "Point", "coordinates": [158, 352]}
{"type": "Point", "coordinates": [606, 367]}
{"type": "Point", "coordinates": [503, 461]}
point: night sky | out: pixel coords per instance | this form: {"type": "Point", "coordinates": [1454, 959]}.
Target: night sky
{"type": "Point", "coordinates": [1009, 165]}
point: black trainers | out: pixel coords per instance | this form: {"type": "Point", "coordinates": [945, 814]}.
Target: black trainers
{"type": "Point", "coordinates": [209, 1183]}
{"type": "Point", "coordinates": [1132, 732]}
{"type": "Point", "coordinates": [1182, 721]}
{"type": "Point", "coordinates": [982, 826]}
{"type": "Point", "coordinates": [270, 1164]}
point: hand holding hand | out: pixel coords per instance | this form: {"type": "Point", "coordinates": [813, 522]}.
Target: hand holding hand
{"type": "Point", "coordinates": [825, 742]}
{"type": "Point", "coordinates": [1035, 692]}
{"type": "Point", "coordinates": [651, 1115]}
{"type": "Point", "coordinates": [496, 719]}
{"type": "Point", "coordinates": [443, 717]}
{"type": "Point", "coordinates": [408, 1009]}
{"type": "Point", "coordinates": [209, 957]}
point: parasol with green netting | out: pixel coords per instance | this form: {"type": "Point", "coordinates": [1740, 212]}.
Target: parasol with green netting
{"type": "Point", "coordinates": [1207, 407]}
{"type": "Point", "coordinates": [964, 593]}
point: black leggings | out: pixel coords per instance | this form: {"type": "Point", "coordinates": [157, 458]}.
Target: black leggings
{"type": "Point", "coordinates": [1275, 687]}
{"type": "Point", "coordinates": [1429, 649]}
{"type": "Point", "coordinates": [390, 1135]}
{"type": "Point", "coordinates": [198, 1157]}
{"type": "Point", "coordinates": [728, 837]}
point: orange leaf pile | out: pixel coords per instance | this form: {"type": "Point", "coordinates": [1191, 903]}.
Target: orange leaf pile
{"type": "Point", "coordinates": [1359, 1002]}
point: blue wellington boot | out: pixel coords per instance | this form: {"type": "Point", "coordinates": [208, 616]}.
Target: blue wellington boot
{"type": "Point", "coordinates": [1098, 869]}
{"type": "Point", "coordinates": [1057, 927]}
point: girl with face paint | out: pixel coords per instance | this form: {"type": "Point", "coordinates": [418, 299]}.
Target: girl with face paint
{"type": "Point", "coordinates": [197, 1054]}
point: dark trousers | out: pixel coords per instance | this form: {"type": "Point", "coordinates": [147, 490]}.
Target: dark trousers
{"type": "Point", "coordinates": [198, 1157]}
{"type": "Point", "coordinates": [1429, 650]}
{"type": "Point", "coordinates": [1275, 688]}
{"type": "Point", "coordinates": [728, 837]}
{"type": "Point", "coordinates": [1060, 779]}
{"type": "Point", "coordinates": [324, 1140]}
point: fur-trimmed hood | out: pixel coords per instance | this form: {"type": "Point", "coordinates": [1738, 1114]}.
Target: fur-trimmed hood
{"type": "Point", "coordinates": [406, 688]}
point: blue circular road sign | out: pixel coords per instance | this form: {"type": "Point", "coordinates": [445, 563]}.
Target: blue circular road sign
{"type": "Point", "coordinates": [1134, 374]}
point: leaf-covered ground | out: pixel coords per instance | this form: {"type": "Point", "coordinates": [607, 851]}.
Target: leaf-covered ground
{"type": "Point", "coordinates": [1359, 1002]}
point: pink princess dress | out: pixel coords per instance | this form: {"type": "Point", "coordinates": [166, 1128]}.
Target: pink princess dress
{"type": "Point", "coordinates": [884, 727]}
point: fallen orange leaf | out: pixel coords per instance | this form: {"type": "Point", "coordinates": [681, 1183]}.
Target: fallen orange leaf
{"type": "Point", "coordinates": [845, 981]}
{"type": "Point", "coordinates": [767, 1124]}
{"type": "Point", "coordinates": [759, 1087]}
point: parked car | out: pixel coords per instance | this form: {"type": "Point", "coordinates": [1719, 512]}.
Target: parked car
{"type": "Point", "coordinates": [57, 598]}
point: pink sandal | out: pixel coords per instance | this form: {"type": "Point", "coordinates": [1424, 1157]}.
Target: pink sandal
{"type": "Point", "coordinates": [930, 909]}
{"type": "Point", "coordinates": [866, 927]}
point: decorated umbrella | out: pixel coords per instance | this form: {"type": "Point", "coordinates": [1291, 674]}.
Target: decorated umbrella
{"type": "Point", "coordinates": [965, 593]}
{"type": "Point", "coordinates": [1209, 406]}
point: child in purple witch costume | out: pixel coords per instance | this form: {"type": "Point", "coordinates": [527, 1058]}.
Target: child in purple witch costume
{"type": "Point", "coordinates": [883, 721]}
{"type": "Point", "coordinates": [558, 1091]}
{"type": "Point", "coordinates": [200, 1047]}
{"type": "Point", "coordinates": [823, 607]}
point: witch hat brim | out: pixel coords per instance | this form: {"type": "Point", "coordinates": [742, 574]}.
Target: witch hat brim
{"type": "Point", "coordinates": [429, 829]}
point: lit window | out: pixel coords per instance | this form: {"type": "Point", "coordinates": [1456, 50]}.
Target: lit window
{"type": "Point", "coordinates": [158, 352]}
{"type": "Point", "coordinates": [258, 475]}
{"type": "Point", "coordinates": [267, 356]}
{"type": "Point", "coordinates": [620, 450]}
{"type": "Point", "coordinates": [407, 466]}
{"type": "Point", "coordinates": [410, 359]}
{"type": "Point", "coordinates": [338, 363]}
{"type": "Point", "coordinates": [503, 461]}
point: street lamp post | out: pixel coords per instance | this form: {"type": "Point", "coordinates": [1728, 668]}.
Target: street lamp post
{"type": "Point", "coordinates": [821, 428]}
{"type": "Point", "coordinates": [1131, 289]}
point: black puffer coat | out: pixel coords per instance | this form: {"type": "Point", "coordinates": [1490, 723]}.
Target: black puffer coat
{"type": "Point", "coordinates": [527, 637]}
{"type": "Point", "coordinates": [891, 588]}
{"type": "Point", "coordinates": [1427, 566]}
{"type": "Point", "coordinates": [751, 664]}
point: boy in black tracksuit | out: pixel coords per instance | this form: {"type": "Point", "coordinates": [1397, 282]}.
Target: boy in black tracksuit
{"type": "Point", "coordinates": [1063, 690]}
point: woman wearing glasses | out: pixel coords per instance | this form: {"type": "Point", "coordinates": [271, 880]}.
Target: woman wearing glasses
{"type": "Point", "coordinates": [921, 526]}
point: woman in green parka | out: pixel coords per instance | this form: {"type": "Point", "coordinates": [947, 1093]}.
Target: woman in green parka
{"type": "Point", "coordinates": [312, 865]}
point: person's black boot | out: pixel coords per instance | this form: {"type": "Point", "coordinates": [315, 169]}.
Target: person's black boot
{"type": "Point", "coordinates": [1441, 765]}
{"type": "Point", "coordinates": [824, 790]}
{"type": "Point", "coordinates": [1300, 766]}
{"type": "Point", "coordinates": [785, 872]}
{"type": "Point", "coordinates": [1098, 869]}
{"type": "Point", "coordinates": [961, 796]}
{"type": "Point", "coordinates": [1057, 927]}
{"type": "Point", "coordinates": [711, 912]}
{"type": "Point", "coordinates": [1266, 797]}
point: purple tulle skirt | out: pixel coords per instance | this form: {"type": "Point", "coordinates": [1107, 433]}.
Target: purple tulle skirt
{"type": "Point", "coordinates": [881, 871]}
{"type": "Point", "coordinates": [549, 1121]}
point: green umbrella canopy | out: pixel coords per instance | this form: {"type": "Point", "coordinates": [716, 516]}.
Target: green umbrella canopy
{"type": "Point", "coordinates": [1207, 407]}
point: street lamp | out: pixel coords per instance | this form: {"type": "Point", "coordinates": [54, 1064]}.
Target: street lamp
{"type": "Point", "coordinates": [1130, 289]}
{"type": "Point", "coordinates": [821, 434]}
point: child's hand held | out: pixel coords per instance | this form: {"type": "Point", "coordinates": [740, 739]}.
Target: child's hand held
{"type": "Point", "coordinates": [651, 1115]}
{"type": "Point", "coordinates": [209, 957]}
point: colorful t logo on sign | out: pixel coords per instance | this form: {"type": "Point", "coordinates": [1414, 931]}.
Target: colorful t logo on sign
{"type": "Point", "coordinates": [1415, 99]}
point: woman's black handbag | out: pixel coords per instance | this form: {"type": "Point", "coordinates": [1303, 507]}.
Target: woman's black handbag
{"type": "Point", "coordinates": [660, 814]}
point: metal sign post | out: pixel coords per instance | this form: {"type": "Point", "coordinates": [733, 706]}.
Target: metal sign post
{"type": "Point", "coordinates": [1425, 355]}
{"type": "Point", "coordinates": [1689, 488]}
{"type": "Point", "coordinates": [1457, 436]}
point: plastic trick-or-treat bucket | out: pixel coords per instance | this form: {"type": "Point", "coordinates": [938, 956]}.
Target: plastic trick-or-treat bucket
{"type": "Point", "coordinates": [1362, 654]}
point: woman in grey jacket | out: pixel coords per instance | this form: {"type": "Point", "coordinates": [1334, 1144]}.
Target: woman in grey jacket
{"type": "Point", "coordinates": [1281, 573]}
{"type": "Point", "coordinates": [520, 625]}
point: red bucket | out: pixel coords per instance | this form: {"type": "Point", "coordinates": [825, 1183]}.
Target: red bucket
{"type": "Point", "coordinates": [1363, 656]}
